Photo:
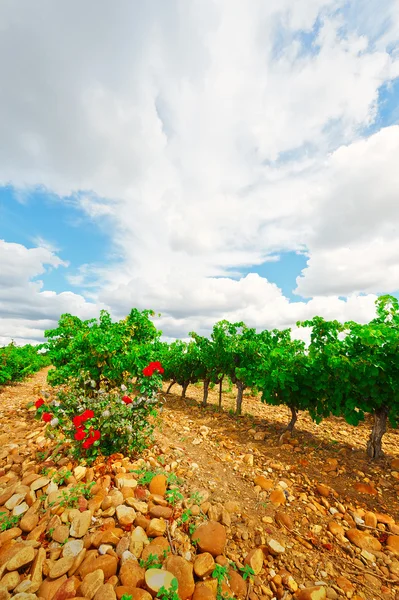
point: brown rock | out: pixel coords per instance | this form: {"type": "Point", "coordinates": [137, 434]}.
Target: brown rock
{"type": "Point", "coordinates": [161, 512]}
{"type": "Point", "coordinates": [335, 528]}
{"type": "Point", "coordinates": [49, 587]}
{"type": "Point", "coordinates": [38, 531]}
{"type": "Point", "coordinates": [203, 592]}
{"type": "Point", "coordinates": [237, 584]}
{"type": "Point", "coordinates": [91, 584]}
{"type": "Point", "coordinates": [37, 484]}
{"type": "Point", "coordinates": [254, 559]}
{"type": "Point", "coordinates": [142, 522]}
{"type": "Point", "coordinates": [80, 524]}
{"type": "Point", "coordinates": [345, 585]}
{"type": "Point", "coordinates": [125, 514]}
{"type": "Point", "coordinates": [10, 534]}
{"type": "Point", "coordinates": [316, 592]}
{"type": "Point", "coordinates": [263, 482]}
{"type": "Point", "coordinates": [105, 592]}
{"type": "Point", "coordinates": [4, 595]}
{"type": "Point", "coordinates": [277, 497]}
{"type": "Point", "coordinates": [288, 581]}
{"type": "Point", "coordinates": [275, 547]}
{"type": "Point", "coordinates": [29, 521]}
{"type": "Point", "coordinates": [393, 542]}
{"type": "Point", "coordinates": [22, 558]}
{"type": "Point", "coordinates": [72, 548]}
{"type": "Point", "coordinates": [8, 550]}
{"type": "Point", "coordinates": [386, 519]}
{"type": "Point", "coordinates": [232, 507]}
{"type": "Point", "coordinates": [210, 537]}
{"type": "Point", "coordinates": [10, 580]}
{"type": "Point", "coordinates": [183, 571]}
{"type": "Point", "coordinates": [365, 488]}
{"type": "Point", "coordinates": [162, 542]}
{"type": "Point", "coordinates": [284, 519]}
{"type": "Point", "coordinates": [7, 493]}
{"type": "Point", "coordinates": [138, 540]}
{"type": "Point", "coordinates": [60, 533]}
{"type": "Point", "coordinates": [116, 497]}
{"type": "Point", "coordinates": [135, 593]}
{"type": "Point", "coordinates": [37, 570]}
{"type": "Point", "coordinates": [122, 546]}
{"type": "Point", "coordinates": [67, 590]}
{"type": "Point", "coordinates": [156, 527]}
{"type": "Point", "coordinates": [61, 566]}
{"type": "Point", "coordinates": [331, 465]}
{"type": "Point", "coordinates": [363, 540]}
{"type": "Point", "coordinates": [77, 562]}
{"type": "Point", "coordinates": [204, 564]}
{"type": "Point", "coordinates": [110, 537]}
{"type": "Point", "coordinates": [158, 485]}
{"type": "Point", "coordinates": [370, 519]}
{"type": "Point", "coordinates": [323, 490]}
{"type": "Point", "coordinates": [107, 563]}
{"type": "Point", "coordinates": [132, 575]}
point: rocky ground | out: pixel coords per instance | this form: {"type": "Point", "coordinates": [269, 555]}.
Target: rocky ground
{"type": "Point", "coordinates": [214, 496]}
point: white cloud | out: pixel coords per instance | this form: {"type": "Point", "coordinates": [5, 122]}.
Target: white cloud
{"type": "Point", "coordinates": [210, 136]}
{"type": "Point", "coordinates": [354, 245]}
{"type": "Point", "coordinates": [26, 310]}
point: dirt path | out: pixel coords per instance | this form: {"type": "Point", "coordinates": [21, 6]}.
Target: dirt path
{"type": "Point", "coordinates": [14, 420]}
{"type": "Point", "coordinates": [312, 452]}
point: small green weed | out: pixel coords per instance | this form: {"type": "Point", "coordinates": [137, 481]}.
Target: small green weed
{"type": "Point", "coordinates": [7, 522]}
{"type": "Point", "coordinates": [62, 477]}
{"type": "Point", "coordinates": [171, 593]}
{"type": "Point", "coordinates": [174, 496]}
{"type": "Point", "coordinates": [247, 572]}
{"type": "Point", "coordinates": [152, 562]}
{"type": "Point", "coordinates": [70, 497]}
{"type": "Point", "coordinates": [221, 574]}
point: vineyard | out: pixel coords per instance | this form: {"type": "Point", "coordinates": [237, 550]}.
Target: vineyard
{"type": "Point", "coordinates": [18, 362]}
{"type": "Point", "coordinates": [348, 370]}
{"type": "Point", "coordinates": [114, 488]}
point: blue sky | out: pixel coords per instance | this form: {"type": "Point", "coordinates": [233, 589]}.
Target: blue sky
{"type": "Point", "coordinates": [149, 153]}
{"type": "Point", "coordinates": [38, 217]}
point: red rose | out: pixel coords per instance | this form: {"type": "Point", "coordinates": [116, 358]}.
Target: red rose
{"type": "Point", "coordinates": [87, 444]}
{"type": "Point", "coordinates": [88, 414]}
{"type": "Point", "coordinates": [47, 417]}
{"type": "Point", "coordinates": [77, 421]}
{"type": "Point", "coordinates": [39, 403]}
{"type": "Point", "coordinates": [80, 434]}
{"type": "Point", "coordinates": [127, 400]}
{"type": "Point", "coordinates": [152, 367]}
{"type": "Point", "coordinates": [96, 435]}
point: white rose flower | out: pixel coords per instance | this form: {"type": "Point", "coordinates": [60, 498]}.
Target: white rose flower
{"type": "Point", "coordinates": [106, 414]}
{"type": "Point", "coordinates": [55, 403]}
{"type": "Point", "coordinates": [123, 387]}
{"type": "Point", "coordinates": [54, 422]}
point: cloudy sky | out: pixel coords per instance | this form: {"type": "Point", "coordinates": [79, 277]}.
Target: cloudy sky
{"type": "Point", "coordinates": [204, 158]}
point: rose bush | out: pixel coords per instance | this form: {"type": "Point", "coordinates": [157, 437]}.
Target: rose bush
{"type": "Point", "coordinates": [105, 422]}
